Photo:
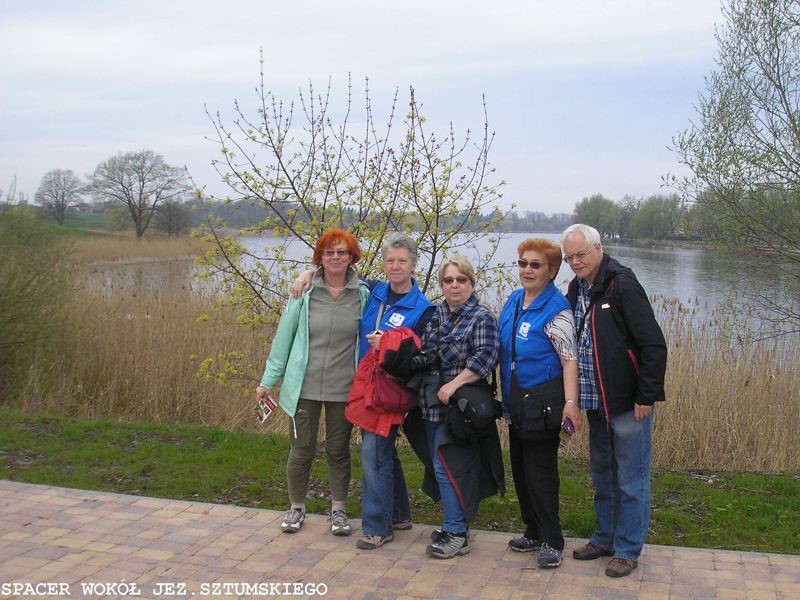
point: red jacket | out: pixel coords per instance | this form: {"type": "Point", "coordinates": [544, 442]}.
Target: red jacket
{"type": "Point", "coordinates": [360, 409]}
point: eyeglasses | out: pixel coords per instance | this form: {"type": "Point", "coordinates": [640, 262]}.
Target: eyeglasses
{"type": "Point", "coordinates": [533, 264]}
{"type": "Point", "coordinates": [402, 262]}
{"type": "Point", "coordinates": [339, 252]}
{"type": "Point", "coordinates": [462, 279]}
{"type": "Point", "coordinates": [577, 255]}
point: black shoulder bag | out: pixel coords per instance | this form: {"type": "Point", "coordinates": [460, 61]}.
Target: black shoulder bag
{"type": "Point", "coordinates": [535, 412]}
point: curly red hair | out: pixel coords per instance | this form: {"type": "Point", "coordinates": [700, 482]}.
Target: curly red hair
{"type": "Point", "coordinates": [334, 236]}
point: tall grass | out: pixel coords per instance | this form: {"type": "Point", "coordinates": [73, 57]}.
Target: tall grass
{"type": "Point", "coordinates": [133, 354]}
{"type": "Point", "coordinates": [125, 247]}
{"type": "Point", "coordinates": [730, 403]}
{"type": "Point", "coordinates": [135, 348]}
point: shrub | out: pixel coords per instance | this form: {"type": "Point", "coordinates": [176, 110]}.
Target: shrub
{"type": "Point", "coordinates": [35, 284]}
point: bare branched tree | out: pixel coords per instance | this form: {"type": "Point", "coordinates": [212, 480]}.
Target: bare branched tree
{"type": "Point", "coordinates": [58, 193]}
{"type": "Point", "coordinates": [140, 181]}
{"type": "Point", "coordinates": [311, 171]}
{"type": "Point", "coordinates": [313, 166]}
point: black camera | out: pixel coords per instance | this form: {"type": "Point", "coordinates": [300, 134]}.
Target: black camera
{"type": "Point", "coordinates": [422, 362]}
{"type": "Point", "coordinates": [401, 365]}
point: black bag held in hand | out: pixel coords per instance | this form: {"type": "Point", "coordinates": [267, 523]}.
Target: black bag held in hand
{"type": "Point", "coordinates": [536, 413]}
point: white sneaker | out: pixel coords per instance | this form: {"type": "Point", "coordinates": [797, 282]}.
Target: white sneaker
{"type": "Point", "coordinates": [339, 524]}
{"type": "Point", "coordinates": [293, 520]}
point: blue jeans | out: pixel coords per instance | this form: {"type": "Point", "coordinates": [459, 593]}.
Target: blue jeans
{"type": "Point", "coordinates": [384, 499]}
{"type": "Point", "coordinates": [619, 460]}
{"type": "Point", "coordinates": [454, 520]}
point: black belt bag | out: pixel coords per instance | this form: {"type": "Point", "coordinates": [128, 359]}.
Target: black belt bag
{"type": "Point", "coordinates": [536, 413]}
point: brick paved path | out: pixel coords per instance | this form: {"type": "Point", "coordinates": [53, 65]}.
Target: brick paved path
{"type": "Point", "coordinates": [67, 538]}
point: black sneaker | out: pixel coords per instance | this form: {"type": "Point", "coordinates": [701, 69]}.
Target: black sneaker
{"type": "Point", "coordinates": [549, 557]}
{"type": "Point", "coordinates": [524, 544]}
{"type": "Point", "coordinates": [449, 545]}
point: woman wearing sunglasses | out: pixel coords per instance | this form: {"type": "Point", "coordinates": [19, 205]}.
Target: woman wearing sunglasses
{"type": "Point", "coordinates": [313, 356]}
{"type": "Point", "coordinates": [537, 346]}
{"type": "Point", "coordinates": [460, 342]}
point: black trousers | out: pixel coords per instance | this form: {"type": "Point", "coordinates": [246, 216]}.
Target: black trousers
{"type": "Point", "coordinates": [534, 466]}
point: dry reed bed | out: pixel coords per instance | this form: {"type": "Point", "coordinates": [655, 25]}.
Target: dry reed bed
{"type": "Point", "coordinates": [126, 248]}
{"type": "Point", "coordinates": [131, 348]}
{"type": "Point", "coordinates": [133, 358]}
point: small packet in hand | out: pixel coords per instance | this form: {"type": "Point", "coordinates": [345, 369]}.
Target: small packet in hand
{"type": "Point", "coordinates": [567, 430]}
{"type": "Point", "coordinates": [264, 408]}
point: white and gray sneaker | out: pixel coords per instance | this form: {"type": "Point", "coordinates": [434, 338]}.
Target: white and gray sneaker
{"type": "Point", "coordinates": [339, 524]}
{"type": "Point", "coordinates": [448, 545]}
{"type": "Point", "coordinates": [293, 520]}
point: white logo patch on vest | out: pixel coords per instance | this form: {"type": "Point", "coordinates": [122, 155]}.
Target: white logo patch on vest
{"type": "Point", "coordinates": [524, 328]}
{"type": "Point", "coordinates": [396, 320]}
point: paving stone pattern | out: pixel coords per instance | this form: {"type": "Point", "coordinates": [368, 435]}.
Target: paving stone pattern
{"type": "Point", "coordinates": [124, 545]}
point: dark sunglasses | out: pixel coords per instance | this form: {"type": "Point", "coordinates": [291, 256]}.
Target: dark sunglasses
{"type": "Point", "coordinates": [460, 279]}
{"type": "Point", "coordinates": [533, 264]}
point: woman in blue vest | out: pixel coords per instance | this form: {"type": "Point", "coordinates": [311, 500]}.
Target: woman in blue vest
{"type": "Point", "coordinates": [537, 343]}
{"type": "Point", "coordinates": [398, 302]}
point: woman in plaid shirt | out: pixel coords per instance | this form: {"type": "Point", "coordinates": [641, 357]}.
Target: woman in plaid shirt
{"type": "Point", "coordinates": [462, 343]}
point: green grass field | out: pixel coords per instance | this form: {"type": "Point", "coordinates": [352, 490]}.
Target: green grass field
{"type": "Point", "coordinates": [732, 511]}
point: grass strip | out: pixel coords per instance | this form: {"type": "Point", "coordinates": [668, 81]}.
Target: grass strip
{"type": "Point", "coordinates": [733, 511]}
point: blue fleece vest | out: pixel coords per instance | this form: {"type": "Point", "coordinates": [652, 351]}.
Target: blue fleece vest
{"type": "Point", "coordinates": [536, 359]}
{"type": "Point", "coordinates": [404, 313]}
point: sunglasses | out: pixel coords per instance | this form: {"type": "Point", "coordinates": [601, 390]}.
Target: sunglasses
{"type": "Point", "coordinates": [460, 279]}
{"type": "Point", "coordinates": [533, 264]}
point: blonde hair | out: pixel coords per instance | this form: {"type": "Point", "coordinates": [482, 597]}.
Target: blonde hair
{"type": "Point", "coordinates": [462, 264]}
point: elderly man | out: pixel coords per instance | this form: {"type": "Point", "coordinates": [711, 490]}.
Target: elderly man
{"type": "Point", "coordinates": [622, 359]}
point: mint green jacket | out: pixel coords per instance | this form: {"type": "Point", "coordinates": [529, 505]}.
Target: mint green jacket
{"type": "Point", "coordinates": [288, 356]}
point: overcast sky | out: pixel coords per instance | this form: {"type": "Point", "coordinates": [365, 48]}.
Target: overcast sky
{"type": "Point", "coordinates": [584, 96]}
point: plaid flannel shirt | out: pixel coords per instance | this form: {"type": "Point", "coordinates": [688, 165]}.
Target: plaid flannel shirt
{"type": "Point", "coordinates": [466, 338]}
{"type": "Point", "coordinates": [589, 398]}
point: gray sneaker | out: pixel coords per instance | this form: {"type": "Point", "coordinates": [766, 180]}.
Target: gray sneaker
{"type": "Point", "coordinates": [373, 542]}
{"type": "Point", "coordinates": [437, 533]}
{"type": "Point", "coordinates": [339, 524]}
{"type": "Point", "coordinates": [549, 557]}
{"type": "Point", "coordinates": [293, 520]}
{"type": "Point", "coordinates": [402, 525]}
{"type": "Point", "coordinates": [448, 545]}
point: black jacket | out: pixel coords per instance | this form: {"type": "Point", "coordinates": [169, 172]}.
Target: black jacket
{"type": "Point", "coordinates": [476, 469]}
{"type": "Point", "coordinates": [629, 350]}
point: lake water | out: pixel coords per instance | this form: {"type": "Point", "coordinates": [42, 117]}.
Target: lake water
{"type": "Point", "coordinates": [688, 274]}
{"type": "Point", "coordinates": [702, 280]}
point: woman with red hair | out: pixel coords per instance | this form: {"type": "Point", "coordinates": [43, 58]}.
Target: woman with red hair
{"type": "Point", "coordinates": [538, 351]}
{"type": "Point", "coordinates": [313, 356]}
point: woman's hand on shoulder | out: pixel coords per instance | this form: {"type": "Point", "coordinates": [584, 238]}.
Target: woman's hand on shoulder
{"type": "Point", "coordinates": [301, 284]}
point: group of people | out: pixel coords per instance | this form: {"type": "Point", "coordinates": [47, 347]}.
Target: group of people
{"type": "Point", "coordinates": [597, 350]}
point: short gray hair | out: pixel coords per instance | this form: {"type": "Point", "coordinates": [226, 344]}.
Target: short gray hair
{"type": "Point", "coordinates": [400, 240]}
{"type": "Point", "coordinates": [591, 234]}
